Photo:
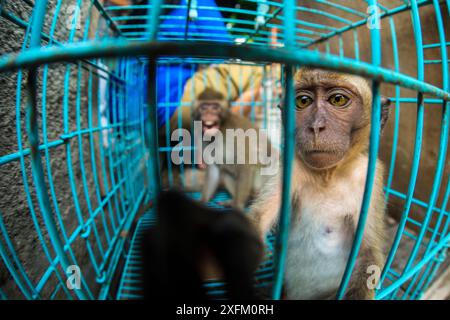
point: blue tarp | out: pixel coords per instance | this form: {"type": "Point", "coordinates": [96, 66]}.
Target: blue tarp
{"type": "Point", "coordinates": [171, 78]}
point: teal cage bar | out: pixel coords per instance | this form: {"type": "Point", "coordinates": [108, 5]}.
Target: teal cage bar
{"type": "Point", "coordinates": [80, 157]}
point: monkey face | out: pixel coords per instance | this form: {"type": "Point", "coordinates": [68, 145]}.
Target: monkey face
{"type": "Point", "coordinates": [211, 114]}
{"type": "Point", "coordinates": [212, 109]}
{"type": "Point", "coordinates": [210, 117]}
{"type": "Point", "coordinates": [327, 117]}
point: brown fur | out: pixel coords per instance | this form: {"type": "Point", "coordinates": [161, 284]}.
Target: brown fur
{"type": "Point", "coordinates": [348, 172]}
{"type": "Point", "coordinates": [240, 180]}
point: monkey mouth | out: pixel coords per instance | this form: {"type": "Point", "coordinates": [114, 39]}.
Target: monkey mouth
{"type": "Point", "coordinates": [320, 159]}
{"type": "Point", "coordinates": [210, 127]}
{"type": "Point", "coordinates": [318, 152]}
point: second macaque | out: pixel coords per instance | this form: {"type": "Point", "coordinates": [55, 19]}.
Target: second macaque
{"type": "Point", "coordinates": [243, 156]}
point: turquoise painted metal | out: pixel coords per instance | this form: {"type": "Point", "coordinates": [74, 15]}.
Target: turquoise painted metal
{"type": "Point", "coordinates": [288, 155]}
{"type": "Point", "coordinates": [108, 144]}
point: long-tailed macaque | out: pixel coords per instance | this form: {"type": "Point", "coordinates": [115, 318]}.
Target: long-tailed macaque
{"type": "Point", "coordinates": [240, 166]}
{"type": "Point", "coordinates": [193, 243]}
{"type": "Point", "coordinates": [333, 113]}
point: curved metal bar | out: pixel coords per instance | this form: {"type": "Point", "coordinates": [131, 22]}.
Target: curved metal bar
{"type": "Point", "coordinates": [383, 15]}
{"type": "Point", "coordinates": [341, 7]}
{"type": "Point", "coordinates": [17, 273]}
{"type": "Point", "coordinates": [373, 157]}
{"type": "Point", "coordinates": [151, 122]}
{"type": "Point", "coordinates": [407, 275]}
{"type": "Point", "coordinates": [124, 190]}
{"type": "Point", "coordinates": [108, 49]}
{"type": "Point", "coordinates": [21, 156]}
{"type": "Point", "coordinates": [404, 217]}
{"type": "Point", "coordinates": [286, 207]}
{"type": "Point", "coordinates": [48, 161]}
{"type": "Point", "coordinates": [153, 19]}
{"type": "Point", "coordinates": [440, 162]}
{"type": "Point", "coordinates": [397, 110]}
{"type": "Point", "coordinates": [281, 242]}
{"type": "Point", "coordinates": [444, 249]}
{"type": "Point", "coordinates": [68, 149]}
{"type": "Point", "coordinates": [93, 161]}
{"type": "Point", "coordinates": [418, 138]}
{"type": "Point", "coordinates": [33, 137]}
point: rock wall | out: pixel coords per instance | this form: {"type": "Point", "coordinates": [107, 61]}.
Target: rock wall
{"type": "Point", "coordinates": [15, 207]}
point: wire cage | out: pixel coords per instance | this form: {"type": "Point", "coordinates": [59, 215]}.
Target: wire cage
{"type": "Point", "coordinates": [88, 93]}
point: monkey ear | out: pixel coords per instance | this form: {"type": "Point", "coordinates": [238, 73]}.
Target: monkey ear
{"type": "Point", "coordinates": [385, 103]}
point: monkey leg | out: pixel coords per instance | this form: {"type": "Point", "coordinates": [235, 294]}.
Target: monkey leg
{"type": "Point", "coordinates": [244, 186]}
{"type": "Point", "coordinates": [239, 186]}
{"type": "Point", "coordinates": [359, 287]}
{"type": "Point", "coordinates": [229, 183]}
{"type": "Point", "coordinates": [194, 179]}
{"type": "Point", "coordinates": [212, 182]}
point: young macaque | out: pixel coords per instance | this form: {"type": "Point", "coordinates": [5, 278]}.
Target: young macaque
{"type": "Point", "coordinates": [241, 170]}
{"type": "Point", "coordinates": [193, 243]}
{"type": "Point", "coordinates": [333, 113]}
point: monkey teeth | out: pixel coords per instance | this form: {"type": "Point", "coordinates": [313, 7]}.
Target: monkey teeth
{"type": "Point", "coordinates": [210, 127]}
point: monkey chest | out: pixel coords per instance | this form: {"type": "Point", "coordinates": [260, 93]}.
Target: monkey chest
{"type": "Point", "coordinates": [320, 236]}
{"type": "Point", "coordinates": [319, 244]}
{"type": "Point", "coordinates": [317, 255]}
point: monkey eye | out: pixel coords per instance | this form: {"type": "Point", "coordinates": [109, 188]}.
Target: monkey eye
{"type": "Point", "coordinates": [338, 100]}
{"type": "Point", "coordinates": [303, 101]}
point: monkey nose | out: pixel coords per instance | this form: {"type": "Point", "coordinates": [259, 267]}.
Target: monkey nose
{"type": "Point", "coordinates": [317, 128]}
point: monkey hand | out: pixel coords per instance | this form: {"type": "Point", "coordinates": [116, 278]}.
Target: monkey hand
{"type": "Point", "coordinates": [202, 166]}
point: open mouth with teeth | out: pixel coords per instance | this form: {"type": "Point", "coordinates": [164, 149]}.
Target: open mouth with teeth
{"type": "Point", "coordinates": [210, 127]}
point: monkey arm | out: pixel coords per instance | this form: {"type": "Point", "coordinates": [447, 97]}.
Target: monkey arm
{"type": "Point", "coordinates": [265, 210]}
{"type": "Point", "coordinates": [370, 261]}
{"type": "Point", "coordinates": [244, 185]}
